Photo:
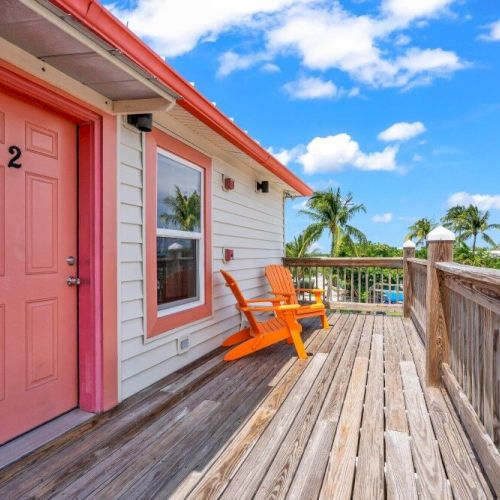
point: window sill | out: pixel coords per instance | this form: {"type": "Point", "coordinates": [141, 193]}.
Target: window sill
{"type": "Point", "coordinates": [167, 322]}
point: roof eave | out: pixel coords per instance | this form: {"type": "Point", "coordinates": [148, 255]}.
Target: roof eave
{"type": "Point", "coordinates": [102, 22]}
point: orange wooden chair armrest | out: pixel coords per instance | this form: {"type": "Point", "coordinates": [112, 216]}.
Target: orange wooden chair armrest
{"type": "Point", "coordinates": [318, 292]}
{"type": "Point", "coordinates": [292, 307]}
{"type": "Point", "coordinates": [284, 294]}
{"type": "Point", "coordinates": [263, 299]}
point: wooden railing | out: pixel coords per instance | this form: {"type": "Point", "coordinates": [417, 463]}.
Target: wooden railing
{"type": "Point", "coordinates": [472, 317]}
{"type": "Point", "coordinates": [456, 310]}
{"type": "Point", "coordinates": [417, 292]}
{"type": "Point", "coordinates": [358, 284]}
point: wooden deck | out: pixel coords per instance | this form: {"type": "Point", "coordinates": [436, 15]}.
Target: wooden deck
{"type": "Point", "coordinates": [351, 421]}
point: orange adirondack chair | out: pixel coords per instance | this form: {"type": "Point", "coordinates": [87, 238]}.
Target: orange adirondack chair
{"type": "Point", "coordinates": [261, 334]}
{"type": "Point", "coordinates": [281, 282]}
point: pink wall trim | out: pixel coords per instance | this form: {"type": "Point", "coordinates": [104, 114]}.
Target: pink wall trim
{"type": "Point", "coordinates": [157, 325]}
{"type": "Point", "coordinates": [98, 357]}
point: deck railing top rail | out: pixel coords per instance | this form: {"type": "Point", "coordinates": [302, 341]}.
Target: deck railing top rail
{"type": "Point", "coordinates": [387, 262]}
{"type": "Point", "coordinates": [471, 273]}
{"type": "Point", "coordinates": [418, 262]}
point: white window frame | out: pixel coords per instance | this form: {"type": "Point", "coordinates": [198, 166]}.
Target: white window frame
{"type": "Point", "coordinates": [165, 309]}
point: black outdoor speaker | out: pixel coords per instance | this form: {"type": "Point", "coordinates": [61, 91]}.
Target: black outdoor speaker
{"type": "Point", "coordinates": [263, 186]}
{"type": "Point", "coordinates": [142, 122]}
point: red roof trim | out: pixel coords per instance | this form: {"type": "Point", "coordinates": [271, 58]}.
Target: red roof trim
{"type": "Point", "coordinates": [100, 20]}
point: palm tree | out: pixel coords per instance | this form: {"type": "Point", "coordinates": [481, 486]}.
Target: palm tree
{"type": "Point", "coordinates": [454, 219]}
{"type": "Point", "coordinates": [420, 229]}
{"type": "Point", "coordinates": [300, 246]}
{"type": "Point", "coordinates": [475, 223]}
{"type": "Point", "coordinates": [186, 210]}
{"type": "Point", "coordinates": [332, 212]}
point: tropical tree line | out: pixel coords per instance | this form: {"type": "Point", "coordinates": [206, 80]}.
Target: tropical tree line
{"type": "Point", "coordinates": [332, 212]}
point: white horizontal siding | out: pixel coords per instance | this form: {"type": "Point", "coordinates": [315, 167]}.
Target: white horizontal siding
{"type": "Point", "coordinates": [250, 223]}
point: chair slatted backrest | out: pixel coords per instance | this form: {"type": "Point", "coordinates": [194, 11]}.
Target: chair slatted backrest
{"type": "Point", "coordinates": [241, 301]}
{"type": "Point", "coordinates": [280, 279]}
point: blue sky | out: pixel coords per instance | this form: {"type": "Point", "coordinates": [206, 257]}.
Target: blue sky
{"type": "Point", "coordinates": [320, 81]}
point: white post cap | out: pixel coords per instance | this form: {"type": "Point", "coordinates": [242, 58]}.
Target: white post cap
{"type": "Point", "coordinates": [440, 234]}
{"type": "Point", "coordinates": [408, 244]}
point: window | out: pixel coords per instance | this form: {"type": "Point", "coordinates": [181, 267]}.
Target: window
{"type": "Point", "coordinates": [178, 233]}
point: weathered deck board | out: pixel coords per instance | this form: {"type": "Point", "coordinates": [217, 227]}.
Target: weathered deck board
{"type": "Point", "coordinates": [151, 476]}
{"type": "Point", "coordinates": [280, 473]}
{"type": "Point", "coordinates": [400, 472]}
{"type": "Point", "coordinates": [309, 475]}
{"type": "Point", "coordinates": [216, 475]}
{"type": "Point", "coordinates": [273, 426]}
{"type": "Point", "coordinates": [395, 412]}
{"type": "Point", "coordinates": [370, 469]}
{"type": "Point", "coordinates": [400, 475]}
{"type": "Point", "coordinates": [247, 478]}
{"type": "Point", "coordinates": [432, 481]}
{"type": "Point", "coordinates": [339, 475]}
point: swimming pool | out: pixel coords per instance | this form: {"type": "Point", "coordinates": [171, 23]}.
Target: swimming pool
{"type": "Point", "coordinates": [392, 296]}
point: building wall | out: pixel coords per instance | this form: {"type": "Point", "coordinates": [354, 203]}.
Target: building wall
{"type": "Point", "coordinates": [250, 223]}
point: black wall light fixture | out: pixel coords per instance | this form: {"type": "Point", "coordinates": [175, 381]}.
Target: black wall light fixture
{"type": "Point", "coordinates": [142, 122]}
{"type": "Point", "coordinates": [263, 186]}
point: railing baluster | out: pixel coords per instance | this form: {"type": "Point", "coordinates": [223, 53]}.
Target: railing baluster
{"type": "Point", "coordinates": [329, 298]}
{"type": "Point", "coordinates": [352, 285]}
{"type": "Point", "coordinates": [359, 284]}
{"type": "Point", "coordinates": [367, 293]}
{"type": "Point", "coordinates": [338, 284]}
{"type": "Point", "coordinates": [390, 294]}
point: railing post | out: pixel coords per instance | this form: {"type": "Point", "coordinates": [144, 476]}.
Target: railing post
{"type": "Point", "coordinates": [408, 253]}
{"type": "Point", "coordinates": [440, 249]}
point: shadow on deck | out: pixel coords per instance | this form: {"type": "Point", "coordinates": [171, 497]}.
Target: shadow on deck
{"type": "Point", "coordinates": [352, 420]}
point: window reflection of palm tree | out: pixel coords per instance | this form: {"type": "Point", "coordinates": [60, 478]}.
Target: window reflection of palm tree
{"type": "Point", "coordinates": [183, 213]}
{"type": "Point", "coordinates": [185, 210]}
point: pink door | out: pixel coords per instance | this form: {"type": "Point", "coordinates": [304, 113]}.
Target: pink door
{"type": "Point", "coordinates": [38, 233]}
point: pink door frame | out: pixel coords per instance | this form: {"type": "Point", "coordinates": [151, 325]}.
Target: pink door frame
{"type": "Point", "coordinates": [97, 295]}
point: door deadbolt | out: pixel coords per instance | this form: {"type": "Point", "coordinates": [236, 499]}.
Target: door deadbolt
{"type": "Point", "coordinates": [73, 281]}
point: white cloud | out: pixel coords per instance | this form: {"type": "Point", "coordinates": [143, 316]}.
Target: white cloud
{"type": "Point", "coordinates": [493, 33]}
{"type": "Point", "coordinates": [332, 38]}
{"type": "Point", "coordinates": [402, 131]}
{"type": "Point", "coordinates": [421, 66]}
{"type": "Point", "coordinates": [311, 88]}
{"type": "Point", "coordinates": [482, 201]}
{"type": "Point", "coordinates": [285, 156]}
{"type": "Point", "coordinates": [231, 61]}
{"type": "Point", "coordinates": [174, 28]}
{"type": "Point", "coordinates": [417, 157]}
{"type": "Point", "coordinates": [323, 35]}
{"type": "Point", "coordinates": [408, 10]}
{"type": "Point", "coordinates": [402, 40]}
{"type": "Point", "coordinates": [270, 68]}
{"type": "Point", "coordinates": [336, 152]}
{"type": "Point", "coordinates": [382, 218]}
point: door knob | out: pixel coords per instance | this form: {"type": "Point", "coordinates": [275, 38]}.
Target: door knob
{"type": "Point", "coordinates": [73, 281]}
